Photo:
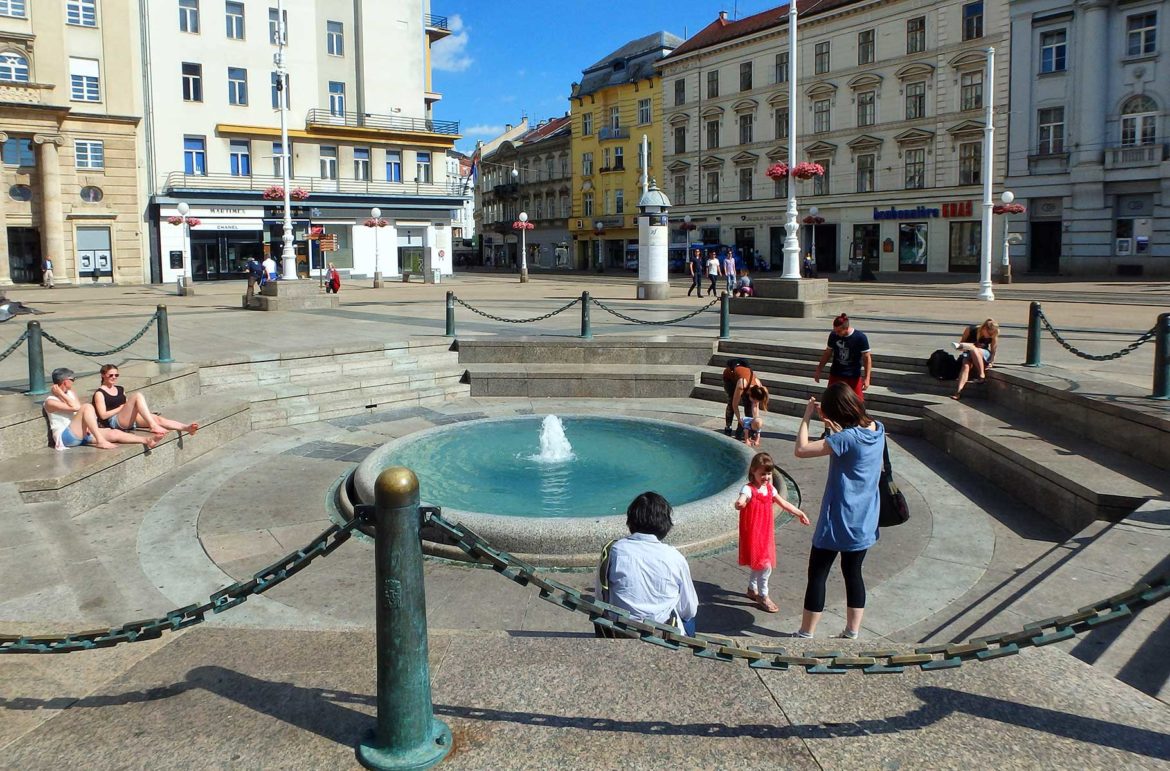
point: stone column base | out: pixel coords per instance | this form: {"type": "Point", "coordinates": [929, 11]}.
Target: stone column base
{"type": "Point", "coordinates": [287, 295]}
{"type": "Point", "coordinates": [653, 290]}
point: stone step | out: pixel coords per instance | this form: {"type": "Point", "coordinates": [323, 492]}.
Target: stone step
{"type": "Point", "coordinates": [284, 413]}
{"type": "Point", "coordinates": [895, 423]}
{"type": "Point", "coordinates": [325, 367]}
{"type": "Point", "coordinates": [582, 380]}
{"type": "Point", "coordinates": [897, 381]}
{"type": "Point", "coordinates": [877, 397]}
{"type": "Point", "coordinates": [765, 349]}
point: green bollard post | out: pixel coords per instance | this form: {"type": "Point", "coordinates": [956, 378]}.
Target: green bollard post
{"type": "Point", "coordinates": [586, 329]}
{"type": "Point", "coordinates": [407, 735]}
{"type": "Point", "coordinates": [164, 336]}
{"type": "Point", "coordinates": [725, 317]}
{"type": "Point", "coordinates": [450, 315]}
{"type": "Point", "coordinates": [1162, 357]}
{"type": "Point", "coordinates": [1033, 358]}
{"type": "Point", "coordinates": [36, 361]}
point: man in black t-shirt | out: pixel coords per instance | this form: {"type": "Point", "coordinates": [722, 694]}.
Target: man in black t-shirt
{"type": "Point", "coordinates": [695, 268]}
{"type": "Point", "coordinates": [849, 350]}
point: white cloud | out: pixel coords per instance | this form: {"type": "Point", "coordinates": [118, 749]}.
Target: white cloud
{"type": "Point", "coordinates": [483, 130]}
{"type": "Point", "coordinates": [450, 53]}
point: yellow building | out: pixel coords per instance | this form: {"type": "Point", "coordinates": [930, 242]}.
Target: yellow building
{"type": "Point", "coordinates": [618, 100]}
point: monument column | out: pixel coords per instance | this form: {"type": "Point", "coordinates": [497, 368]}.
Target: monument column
{"type": "Point", "coordinates": [5, 275]}
{"type": "Point", "coordinates": [52, 214]}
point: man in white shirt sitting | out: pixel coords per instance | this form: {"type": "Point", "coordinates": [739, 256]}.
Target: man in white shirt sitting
{"type": "Point", "coordinates": [644, 576]}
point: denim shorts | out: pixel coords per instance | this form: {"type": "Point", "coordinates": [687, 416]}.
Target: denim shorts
{"type": "Point", "coordinates": [113, 423]}
{"type": "Point", "coordinates": [69, 440]}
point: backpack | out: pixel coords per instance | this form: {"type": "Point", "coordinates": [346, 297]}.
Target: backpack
{"type": "Point", "coordinates": [942, 365]}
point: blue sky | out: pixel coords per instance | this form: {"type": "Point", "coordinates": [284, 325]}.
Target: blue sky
{"type": "Point", "coordinates": [505, 60]}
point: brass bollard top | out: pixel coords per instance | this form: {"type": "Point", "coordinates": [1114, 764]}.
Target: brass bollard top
{"type": "Point", "coordinates": [396, 487]}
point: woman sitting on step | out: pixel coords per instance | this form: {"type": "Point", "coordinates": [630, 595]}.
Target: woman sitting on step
{"type": "Point", "coordinates": [72, 423]}
{"type": "Point", "coordinates": [978, 352]}
{"type": "Point", "coordinates": [119, 410]}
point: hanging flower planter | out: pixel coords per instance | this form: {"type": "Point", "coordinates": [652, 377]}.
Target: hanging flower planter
{"type": "Point", "coordinates": [811, 220]}
{"type": "Point", "coordinates": [192, 221]}
{"type": "Point", "coordinates": [518, 225]}
{"type": "Point", "coordinates": [807, 170]}
{"type": "Point", "coordinates": [1009, 208]}
{"type": "Point", "coordinates": [687, 227]}
{"type": "Point", "coordinates": [276, 193]}
{"type": "Point", "coordinates": [376, 223]}
{"type": "Point", "coordinates": [777, 171]}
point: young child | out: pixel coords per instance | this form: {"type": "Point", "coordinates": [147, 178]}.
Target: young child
{"type": "Point", "coordinates": [755, 404]}
{"type": "Point", "coordinates": [757, 529]}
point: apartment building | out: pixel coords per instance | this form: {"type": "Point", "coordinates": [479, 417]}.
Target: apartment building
{"type": "Point", "coordinates": [69, 113]}
{"type": "Point", "coordinates": [890, 101]}
{"type": "Point", "coordinates": [361, 126]}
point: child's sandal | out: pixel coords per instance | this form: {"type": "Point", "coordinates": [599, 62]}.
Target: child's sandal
{"type": "Point", "coordinates": [767, 605]}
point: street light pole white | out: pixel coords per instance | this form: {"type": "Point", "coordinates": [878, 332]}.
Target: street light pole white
{"type": "Point", "coordinates": [791, 227]}
{"type": "Point", "coordinates": [523, 247]}
{"type": "Point", "coordinates": [687, 230]}
{"type": "Point", "coordinates": [376, 215]}
{"type": "Point", "coordinates": [985, 292]}
{"type": "Point", "coordinates": [288, 257]}
{"type": "Point", "coordinates": [1007, 197]}
{"type": "Point", "coordinates": [812, 212]}
{"type": "Point", "coordinates": [184, 208]}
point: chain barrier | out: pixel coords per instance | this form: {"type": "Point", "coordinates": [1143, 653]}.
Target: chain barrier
{"type": "Point", "coordinates": [562, 309]}
{"type": "Point", "coordinates": [15, 344]}
{"type": "Point", "coordinates": [821, 661]}
{"type": "Point", "coordinates": [1147, 337]}
{"type": "Point", "coordinates": [99, 354]}
{"type": "Point", "coordinates": [624, 317]}
{"type": "Point", "coordinates": [180, 618]}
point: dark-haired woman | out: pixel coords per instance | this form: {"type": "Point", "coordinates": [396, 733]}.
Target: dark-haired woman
{"type": "Point", "coordinates": [849, 508]}
{"type": "Point", "coordinates": [644, 576]}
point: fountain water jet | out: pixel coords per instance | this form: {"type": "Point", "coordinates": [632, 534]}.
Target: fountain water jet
{"type": "Point", "coordinates": [554, 445]}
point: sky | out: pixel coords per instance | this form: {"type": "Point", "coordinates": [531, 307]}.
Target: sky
{"type": "Point", "coordinates": [506, 60]}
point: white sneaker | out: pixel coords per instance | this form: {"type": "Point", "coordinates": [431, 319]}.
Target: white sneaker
{"type": "Point", "coordinates": [847, 635]}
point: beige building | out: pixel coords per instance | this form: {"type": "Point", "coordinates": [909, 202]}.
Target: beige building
{"type": "Point", "coordinates": [69, 114]}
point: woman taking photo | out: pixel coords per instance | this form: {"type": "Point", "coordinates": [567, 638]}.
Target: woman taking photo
{"type": "Point", "coordinates": [849, 508]}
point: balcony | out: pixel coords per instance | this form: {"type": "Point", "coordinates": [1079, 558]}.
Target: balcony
{"type": "Point", "coordinates": [615, 167]}
{"type": "Point", "coordinates": [204, 183]}
{"type": "Point", "coordinates": [320, 118]}
{"type": "Point", "coordinates": [1134, 156]}
{"type": "Point", "coordinates": [507, 190]}
{"type": "Point", "coordinates": [436, 27]}
{"type": "Point", "coordinates": [613, 133]}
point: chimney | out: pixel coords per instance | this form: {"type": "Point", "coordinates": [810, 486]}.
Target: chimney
{"type": "Point", "coordinates": [723, 17]}
{"type": "Point", "coordinates": [507, 127]}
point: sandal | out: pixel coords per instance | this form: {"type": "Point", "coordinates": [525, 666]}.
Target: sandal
{"type": "Point", "coordinates": [766, 605]}
{"type": "Point", "coordinates": [752, 595]}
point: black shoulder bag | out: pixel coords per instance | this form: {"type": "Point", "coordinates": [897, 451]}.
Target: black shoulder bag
{"type": "Point", "coordinates": [894, 510]}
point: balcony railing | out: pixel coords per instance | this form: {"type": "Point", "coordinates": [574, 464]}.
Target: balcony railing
{"type": "Point", "coordinates": [436, 22]}
{"type": "Point", "coordinates": [613, 133]}
{"type": "Point", "coordinates": [1134, 157]}
{"type": "Point", "coordinates": [178, 180]}
{"type": "Point", "coordinates": [508, 190]}
{"type": "Point", "coordinates": [322, 117]}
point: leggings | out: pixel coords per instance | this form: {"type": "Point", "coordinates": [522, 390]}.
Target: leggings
{"type": "Point", "coordinates": [819, 563]}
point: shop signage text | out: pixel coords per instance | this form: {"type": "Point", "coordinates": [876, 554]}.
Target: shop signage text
{"type": "Point", "coordinates": [949, 209]}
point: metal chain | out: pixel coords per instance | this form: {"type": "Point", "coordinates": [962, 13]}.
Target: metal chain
{"type": "Point", "coordinates": [624, 317]}
{"type": "Point", "coordinates": [96, 354]}
{"type": "Point", "coordinates": [821, 661]}
{"type": "Point", "coordinates": [179, 618]}
{"type": "Point", "coordinates": [1147, 337]}
{"type": "Point", "coordinates": [516, 321]}
{"type": "Point", "coordinates": [15, 344]}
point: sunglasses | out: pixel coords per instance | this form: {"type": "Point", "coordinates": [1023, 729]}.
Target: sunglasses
{"type": "Point", "coordinates": [112, 375]}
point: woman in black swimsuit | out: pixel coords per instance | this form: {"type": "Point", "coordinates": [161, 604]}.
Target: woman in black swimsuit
{"type": "Point", "coordinates": [117, 409]}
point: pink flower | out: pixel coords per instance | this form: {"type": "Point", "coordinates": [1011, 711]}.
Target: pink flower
{"type": "Point", "coordinates": [807, 170]}
{"type": "Point", "coordinates": [175, 220]}
{"type": "Point", "coordinates": [518, 225]}
{"type": "Point", "coordinates": [777, 170]}
{"type": "Point", "coordinates": [194, 222]}
{"type": "Point", "coordinates": [1009, 208]}
{"type": "Point", "coordinates": [299, 194]}
{"type": "Point", "coordinates": [376, 223]}
{"type": "Point", "coordinates": [811, 220]}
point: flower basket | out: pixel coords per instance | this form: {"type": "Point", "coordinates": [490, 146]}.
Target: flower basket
{"type": "Point", "coordinates": [687, 227]}
{"type": "Point", "coordinates": [811, 220]}
{"type": "Point", "coordinates": [518, 225]}
{"type": "Point", "coordinates": [1009, 208]}
{"type": "Point", "coordinates": [276, 193]}
{"type": "Point", "coordinates": [777, 171]}
{"type": "Point", "coordinates": [299, 194]}
{"type": "Point", "coordinates": [175, 220]}
{"type": "Point", "coordinates": [192, 221]}
{"type": "Point", "coordinates": [376, 223]}
{"type": "Point", "coordinates": [807, 170]}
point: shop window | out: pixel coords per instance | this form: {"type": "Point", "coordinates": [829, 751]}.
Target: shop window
{"type": "Point", "coordinates": [94, 257]}
{"type": "Point", "coordinates": [966, 246]}
{"type": "Point", "coordinates": [912, 243]}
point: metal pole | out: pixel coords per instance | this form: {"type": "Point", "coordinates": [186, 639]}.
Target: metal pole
{"type": "Point", "coordinates": [450, 315]}
{"type": "Point", "coordinates": [36, 361]}
{"type": "Point", "coordinates": [1007, 259]}
{"type": "Point", "coordinates": [985, 291]}
{"type": "Point", "coordinates": [725, 316]}
{"type": "Point", "coordinates": [288, 255]}
{"type": "Point", "coordinates": [164, 336]}
{"type": "Point", "coordinates": [791, 227]}
{"type": "Point", "coordinates": [1033, 359]}
{"type": "Point", "coordinates": [586, 330]}
{"type": "Point", "coordinates": [407, 735]}
{"type": "Point", "coordinates": [1161, 357]}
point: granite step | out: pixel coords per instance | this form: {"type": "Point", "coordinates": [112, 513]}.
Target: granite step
{"type": "Point", "coordinates": [765, 349]}
{"type": "Point", "coordinates": [894, 381]}
{"type": "Point", "coordinates": [878, 397]}
{"type": "Point", "coordinates": [582, 380]}
{"type": "Point", "coordinates": [897, 423]}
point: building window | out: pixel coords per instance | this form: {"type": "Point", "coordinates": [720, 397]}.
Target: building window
{"type": "Point", "coordinates": [587, 204]}
{"type": "Point", "coordinates": [393, 165]}
{"type": "Point", "coordinates": [971, 90]}
{"type": "Point", "coordinates": [680, 92]}
{"type": "Point", "coordinates": [1139, 121]}
{"type": "Point", "coordinates": [821, 183]}
{"type": "Point", "coordinates": [13, 8]}
{"type": "Point", "coordinates": [619, 202]}
{"type": "Point", "coordinates": [913, 238]}
{"type": "Point", "coordinates": [274, 27]}
{"type": "Point", "coordinates": [713, 134]}
{"type": "Point", "coordinates": [867, 108]}
{"type": "Point", "coordinates": [328, 162]}
{"type": "Point", "coordinates": [361, 164]}
{"type": "Point", "coordinates": [916, 35]}
{"type": "Point", "coordinates": [966, 246]}
{"type": "Point", "coordinates": [680, 139]}
{"type": "Point", "coordinates": [970, 163]}
{"type": "Point", "coordinates": [83, 80]}
{"type": "Point", "coordinates": [745, 76]}
{"type": "Point", "coordinates": [1141, 33]}
{"type": "Point", "coordinates": [89, 154]}
{"type": "Point", "coordinates": [745, 183]}
{"type": "Point", "coordinates": [643, 111]}
{"type": "Point", "coordinates": [234, 16]}
{"type": "Point", "coordinates": [334, 38]}
{"type": "Point", "coordinates": [1053, 50]}
{"type": "Point", "coordinates": [587, 124]}
{"type": "Point", "coordinates": [278, 160]}
{"type": "Point", "coordinates": [973, 20]}
{"type": "Point", "coordinates": [865, 172]}
{"type": "Point", "coordinates": [18, 151]}
{"type": "Point", "coordinates": [821, 116]}
{"type": "Point", "coordinates": [866, 48]}
{"type": "Point", "coordinates": [1050, 124]}
{"type": "Point", "coordinates": [915, 168]}
{"type": "Point", "coordinates": [83, 13]}
{"type": "Point", "coordinates": [821, 58]}
{"type": "Point", "coordinates": [274, 80]}
{"type": "Point", "coordinates": [712, 84]}
{"type": "Point", "coordinates": [615, 118]}
{"type": "Point", "coordinates": [189, 16]}
{"type": "Point", "coordinates": [606, 164]}
{"type": "Point", "coordinates": [780, 187]}
{"type": "Point", "coordinates": [916, 100]}
{"type": "Point", "coordinates": [240, 157]}
{"type": "Point", "coordinates": [586, 164]}
{"type": "Point", "coordinates": [782, 67]}
{"type": "Point", "coordinates": [745, 129]}
{"type": "Point", "coordinates": [336, 98]}
{"type": "Point", "coordinates": [641, 159]}
{"type": "Point", "coordinates": [192, 82]}
{"type": "Point", "coordinates": [422, 164]}
{"type": "Point", "coordinates": [14, 68]}
{"type": "Point", "coordinates": [548, 168]}
{"type": "Point", "coordinates": [712, 187]}
{"type": "Point", "coordinates": [782, 124]}
{"type": "Point", "coordinates": [195, 155]}
{"type": "Point", "coordinates": [91, 194]}
{"type": "Point", "coordinates": [237, 86]}
{"type": "Point", "coordinates": [680, 190]}
{"type": "Point", "coordinates": [619, 158]}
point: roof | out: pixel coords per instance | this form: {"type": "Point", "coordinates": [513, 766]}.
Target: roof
{"type": "Point", "coordinates": [723, 29]}
{"type": "Point", "coordinates": [548, 129]}
{"type": "Point", "coordinates": [633, 61]}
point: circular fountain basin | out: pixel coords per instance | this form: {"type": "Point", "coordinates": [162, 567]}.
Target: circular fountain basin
{"type": "Point", "coordinates": [488, 474]}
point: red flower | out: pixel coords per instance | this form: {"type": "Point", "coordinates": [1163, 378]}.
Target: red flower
{"type": "Point", "coordinates": [299, 194]}
{"type": "Point", "coordinates": [807, 170]}
{"type": "Point", "coordinates": [1009, 208]}
{"type": "Point", "coordinates": [194, 222]}
{"type": "Point", "coordinates": [376, 223]}
{"type": "Point", "coordinates": [175, 220]}
{"type": "Point", "coordinates": [777, 170]}
{"type": "Point", "coordinates": [688, 226]}
{"type": "Point", "coordinates": [811, 220]}
{"type": "Point", "coordinates": [518, 225]}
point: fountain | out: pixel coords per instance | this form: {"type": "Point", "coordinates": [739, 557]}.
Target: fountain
{"type": "Point", "coordinates": [554, 445]}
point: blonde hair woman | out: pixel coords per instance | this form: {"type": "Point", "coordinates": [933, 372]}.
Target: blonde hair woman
{"type": "Point", "coordinates": [978, 354]}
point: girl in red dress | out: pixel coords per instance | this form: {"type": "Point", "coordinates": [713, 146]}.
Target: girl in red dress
{"type": "Point", "coordinates": [756, 505]}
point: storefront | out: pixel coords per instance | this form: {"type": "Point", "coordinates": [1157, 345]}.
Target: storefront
{"type": "Point", "coordinates": [218, 245]}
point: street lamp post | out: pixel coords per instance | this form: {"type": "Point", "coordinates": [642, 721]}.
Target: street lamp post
{"type": "Point", "coordinates": [1007, 197]}
{"type": "Point", "coordinates": [791, 227]}
{"type": "Point", "coordinates": [812, 212]}
{"type": "Point", "coordinates": [376, 216]}
{"type": "Point", "coordinates": [288, 255]}
{"type": "Point", "coordinates": [985, 291]}
{"type": "Point", "coordinates": [523, 247]}
{"type": "Point", "coordinates": [184, 281]}
{"type": "Point", "coordinates": [599, 231]}
{"type": "Point", "coordinates": [687, 230]}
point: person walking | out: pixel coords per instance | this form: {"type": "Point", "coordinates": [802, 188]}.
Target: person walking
{"type": "Point", "coordinates": [848, 522]}
{"type": "Point", "coordinates": [332, 280]}
{"type": "Point", "coordinates": [695, 268]}
{"type": "Point", "coordinates": [729, 271]}
{"type": "Point", "coordinates": [852, 362]}
{"type": "Point", "coordinates": [47, 273]}
{"type": "Point", "coordinates": [712, 271]}
{"type": "Point", "coordinates": [756, 505]}
{"type": "Point", "coordinates": [255, 276]}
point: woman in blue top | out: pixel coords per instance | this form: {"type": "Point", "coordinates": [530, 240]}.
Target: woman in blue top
{"type": "Point", "coordinates": [848, 522]}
